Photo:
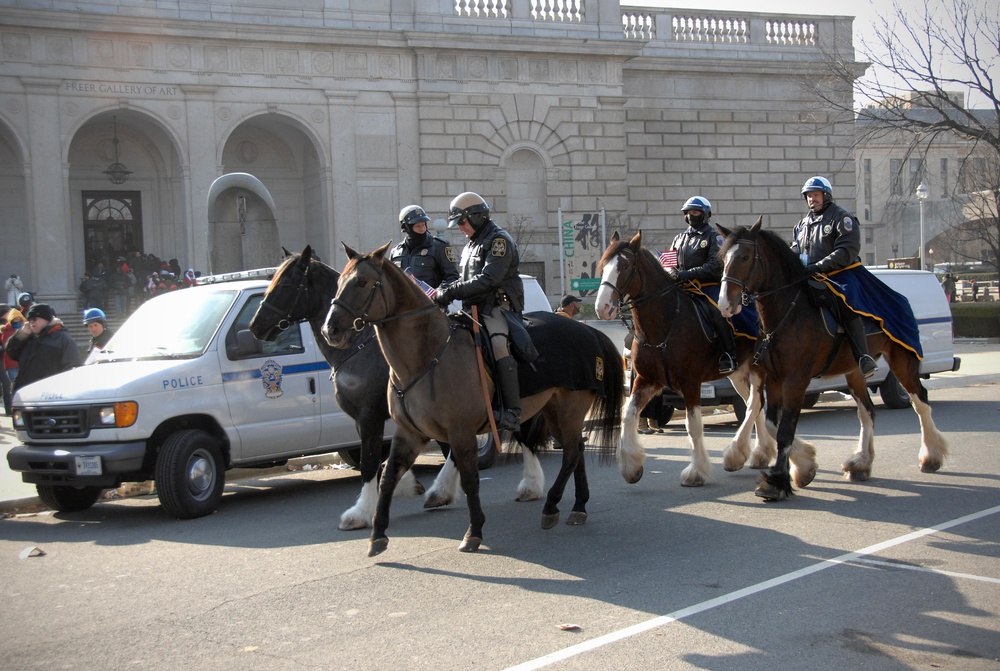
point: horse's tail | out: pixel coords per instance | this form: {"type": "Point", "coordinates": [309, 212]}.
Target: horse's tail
{"type": "Point", "coordinates": [606, 412]}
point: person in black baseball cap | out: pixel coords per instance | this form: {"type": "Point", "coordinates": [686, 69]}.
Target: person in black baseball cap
{"type": "Point", "coordinates": [569, 306]}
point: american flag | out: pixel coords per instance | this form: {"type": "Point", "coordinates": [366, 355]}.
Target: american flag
{"type": "Point", "coordinates": [427, 289]}
{"type": "Point", "coordinates": [668, 259]}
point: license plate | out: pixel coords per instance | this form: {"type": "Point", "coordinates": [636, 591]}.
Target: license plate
{"type": "Point", "coordinates": [708, 391]}
{"type": "Point", "coordinates": [88, 466]}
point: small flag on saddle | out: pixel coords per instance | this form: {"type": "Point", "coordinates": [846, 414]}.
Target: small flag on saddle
{"type": "Point", "coordinates": [668, 259]}
{"type": "Point", "coordinates": [426, 288]}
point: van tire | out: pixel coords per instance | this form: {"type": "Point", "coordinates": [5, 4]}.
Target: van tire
{"type": "Point", "coordinates": [893, 395]}
{"type": "Point", "coordinates": [352, 457]}
{"type": "Point", "coordinates": [190, 474]}
{"type": "Point", "coordinates": [67, 499]}
{"type": "Point", "coordinates": [810, 401]}
{"type": "Point", "coordinates": [740, 408]}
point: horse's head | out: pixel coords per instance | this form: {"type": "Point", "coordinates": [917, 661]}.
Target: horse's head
{"type": "Point", "coordinates": [361, 296]}
{"type": "Point", "coordinates": [741, 268]}
{"type": "Point", "coordinates": [287, 299]}
{"type": "Point", "coordinates": [623, 268]}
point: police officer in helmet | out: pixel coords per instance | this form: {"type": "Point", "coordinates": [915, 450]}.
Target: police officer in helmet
{"type": "Point", "coordinates": [424, 256]}
{"type": "Point", "coordinates": [698, 261]}
{"type": "Point", "coordinates": [490, 281]}
{"type": "Point", "coordinates": [828, 239]}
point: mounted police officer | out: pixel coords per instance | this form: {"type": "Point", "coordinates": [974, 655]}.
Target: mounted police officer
{"type": "Point", "coordinates": [829, 239]}
{"type": "Point", "coordinates": [698, 261]}
{"type": "Point", "coordinates": [429, 259]}
{"type": "Point", "coordinates": [490, 281]}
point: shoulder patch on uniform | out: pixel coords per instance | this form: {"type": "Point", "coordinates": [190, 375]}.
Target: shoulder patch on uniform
{"type": "Point", "coordinates": [720, 239]}
{"type": "Point", "coordinates": [499, 247]}
{"type": "Point", "coordinates": [848, 224]}
{"type": "Point", "coordinates": [449, 253]}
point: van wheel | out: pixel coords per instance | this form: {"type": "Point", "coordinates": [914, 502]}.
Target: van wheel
{"type": "Point", "coordinates": [486, 450]}
{"type": "Point", "coordinates": [893, 395]}
{"type": "Point", "coordinates": [65, 499]}
{"type": "Point", "coordinates": [810, 400]}
{"type": "Point", "coordinates": [352, 457]}
{"type": "Point", "coordinates": [665, 414]}
{"type": "Point", "coordinates": [740, 408]}
{"type": "Point", "coordinates": [190, 474]}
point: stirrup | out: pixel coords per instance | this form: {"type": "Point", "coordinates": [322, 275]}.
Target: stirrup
{"type": "Point", "coordinates": [867, 365]}
{"type": "Point", "coordinates": [507, 420]}
{"type": "Point", "coordinates": [727, 364]}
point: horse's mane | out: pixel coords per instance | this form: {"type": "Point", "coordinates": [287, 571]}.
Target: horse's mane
{"type": "Point", "coordinates": [788, 261]}
{"type": "Point", "coordinates": [390, 270]}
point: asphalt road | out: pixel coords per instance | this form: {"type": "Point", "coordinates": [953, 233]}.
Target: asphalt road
{"type": "Point", "coordinates": [900, 572]}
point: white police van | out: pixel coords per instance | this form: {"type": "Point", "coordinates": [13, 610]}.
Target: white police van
{"type": "Point", "coordinates": [179, 396]}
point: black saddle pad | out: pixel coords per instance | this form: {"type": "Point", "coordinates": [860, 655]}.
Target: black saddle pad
{"type": "Point", "coordinates": [570, 355]}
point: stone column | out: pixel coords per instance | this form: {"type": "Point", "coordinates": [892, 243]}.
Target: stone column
{"type": "Point", "coordinates": [202, 169]}
{"type": "Point", "coordinates": [344, 225]}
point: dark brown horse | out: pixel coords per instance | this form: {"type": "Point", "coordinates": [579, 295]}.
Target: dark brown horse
{"type": "Point", "coordinates": [797, 346]}
{"type": "Point", "coordinates": [436, 389]}
{"type": "Point", "coordinates": [671, 349]}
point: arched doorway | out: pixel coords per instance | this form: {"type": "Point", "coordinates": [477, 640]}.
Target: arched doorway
{"type": "Point", "coordinates": [112, 226]}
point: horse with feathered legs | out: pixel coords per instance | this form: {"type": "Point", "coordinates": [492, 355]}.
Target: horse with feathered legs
{"type": "Point", "coordinates": [301, 290]}
{"type": "Point", "coordinates": [798, 344]}
{"type": "Point", "coordinates": [672, 349]}
{"type": "Point", "coordinates": [436, 391]}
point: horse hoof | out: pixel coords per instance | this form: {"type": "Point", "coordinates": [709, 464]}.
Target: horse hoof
{"type": "Point", "coordinates": [770, 493]}
{"type": "Point", "coordinates": [550, 521]}
{"type": "Point", "coordinates": [436, 501]}
{"type": "Point", "coordinates": [576, 518]}
{"type": "Point", "coordinates": [858, 476]}
{"type": "Point", "coordinates": [634, 478]}
{"type": "Point", "coordinates": [470, 544]}
{"type": "Point", "coordinates": [351, 525]}
{"type": "Point", "coordinates": [930, 467]}
{"type": "Point", "coordinates": [804, 479]}
{"type": "Point", "coordinates": [377, 546]}
{"type": "Point", "coordinates": [418, 488]}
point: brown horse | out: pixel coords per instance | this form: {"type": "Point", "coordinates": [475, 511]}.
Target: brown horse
{"type": "Point", "coordinates": [672, 350]}
{"type": "Point", "coordinates": [436, 390]}
{"type": "Point", "coordinates": [797, 346]}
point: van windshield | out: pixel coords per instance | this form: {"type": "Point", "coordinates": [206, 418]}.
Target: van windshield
{"type": "Point", "coordinates": [178, 324]}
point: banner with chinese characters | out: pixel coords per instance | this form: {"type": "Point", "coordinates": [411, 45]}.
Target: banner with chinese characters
{"type": "Point", "coordinates": [582, 244]}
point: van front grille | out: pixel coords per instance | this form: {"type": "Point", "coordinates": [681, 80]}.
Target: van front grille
{"type": "Point", "coordinates": [62, 422]}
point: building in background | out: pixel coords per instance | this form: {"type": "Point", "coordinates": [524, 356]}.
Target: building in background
{"type": "Point", "coordinates": [116, 117]}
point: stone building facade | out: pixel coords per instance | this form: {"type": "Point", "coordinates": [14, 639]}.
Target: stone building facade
{"type": "Point", "coordinates": [347, 110]}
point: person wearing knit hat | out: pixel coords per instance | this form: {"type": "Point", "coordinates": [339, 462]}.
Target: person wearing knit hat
{"type": "Point", "coordinates": [49, 350]}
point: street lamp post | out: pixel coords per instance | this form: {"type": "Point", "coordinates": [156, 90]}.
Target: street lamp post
{"type": "Point", "coordinates": [921, 197]}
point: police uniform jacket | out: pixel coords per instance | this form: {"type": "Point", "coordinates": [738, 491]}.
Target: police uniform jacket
{"type": "Point", "coordinates": [433, 262]}
{"type": "Point", "coordinates": [828, 240]}
{"type": "Point", "coordinates": [698, 254]}
{"type": "Point", "coordinates": [490, 264]}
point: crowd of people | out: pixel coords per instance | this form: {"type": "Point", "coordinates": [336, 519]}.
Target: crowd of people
{"type": "Point", "coordinates": [132, 280]}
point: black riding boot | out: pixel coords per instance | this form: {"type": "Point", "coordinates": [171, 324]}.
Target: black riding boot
{"type": "Point", "coordinates": [509, 418]}
{"type": "Point", "coordinates": [859, 345]}
{"type": "Point", "coordinates": [727, 362]}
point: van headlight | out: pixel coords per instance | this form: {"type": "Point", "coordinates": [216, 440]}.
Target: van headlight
{"type": "Point", "coordinates": [18, 419]}
{"type": "Point", "coordinates": [119, 415]}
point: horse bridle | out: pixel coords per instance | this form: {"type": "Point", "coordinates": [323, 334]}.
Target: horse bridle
{"type": "Point", "coordinates": [747, 294]}
{"type": "Point", "coordinates": [288, 319]}
{"type": "Point", "coordinates": [362, 320]}
{"type": "Point", "coordinates": [624, 299]}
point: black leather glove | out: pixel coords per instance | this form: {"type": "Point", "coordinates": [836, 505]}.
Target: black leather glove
{"type": "Point", "coordinates": [813, 268]}
{"type": "Point", "coordinates": [442, 296]}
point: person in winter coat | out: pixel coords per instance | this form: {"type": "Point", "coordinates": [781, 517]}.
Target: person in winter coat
{"type": "Point", "coordinates": [48, 351]}
{"type": "Point", "coordinates": [97, 323]}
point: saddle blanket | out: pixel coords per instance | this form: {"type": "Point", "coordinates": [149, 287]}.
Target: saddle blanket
{"type": "Point", "coordinates": [870, 297]}
{"type": "Point", "coordinates": [569, 355]}
{"type": "Point", "coordinates": [744, 323]}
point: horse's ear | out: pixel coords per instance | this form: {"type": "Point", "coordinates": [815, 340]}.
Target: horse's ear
{"type": "Point", "coordinates": [306, 254]}
{"type": "Point", "coordinates": [723, 231]}
{"type": "Point", "coordinates": [285, 251]}
{"type": "Point", "coordinates": [756, 224]}
{"type": "Point", "coordinates": [636, 240]}
{"type": "Point", "coordinates": [380, 252]}
{"type": "Point", "coordinates": [615, 237]}
{"type": "Point", "coordinates": [351, 254]}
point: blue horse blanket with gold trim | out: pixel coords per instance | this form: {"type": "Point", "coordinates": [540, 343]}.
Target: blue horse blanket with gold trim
{"type": "Point", "coordinates": [870, 297]}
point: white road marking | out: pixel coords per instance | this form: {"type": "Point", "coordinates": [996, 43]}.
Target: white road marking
{"type": "Point", "coordinates": [911, 567]}
{"type": "Point", "coordinates": [725, 599]}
